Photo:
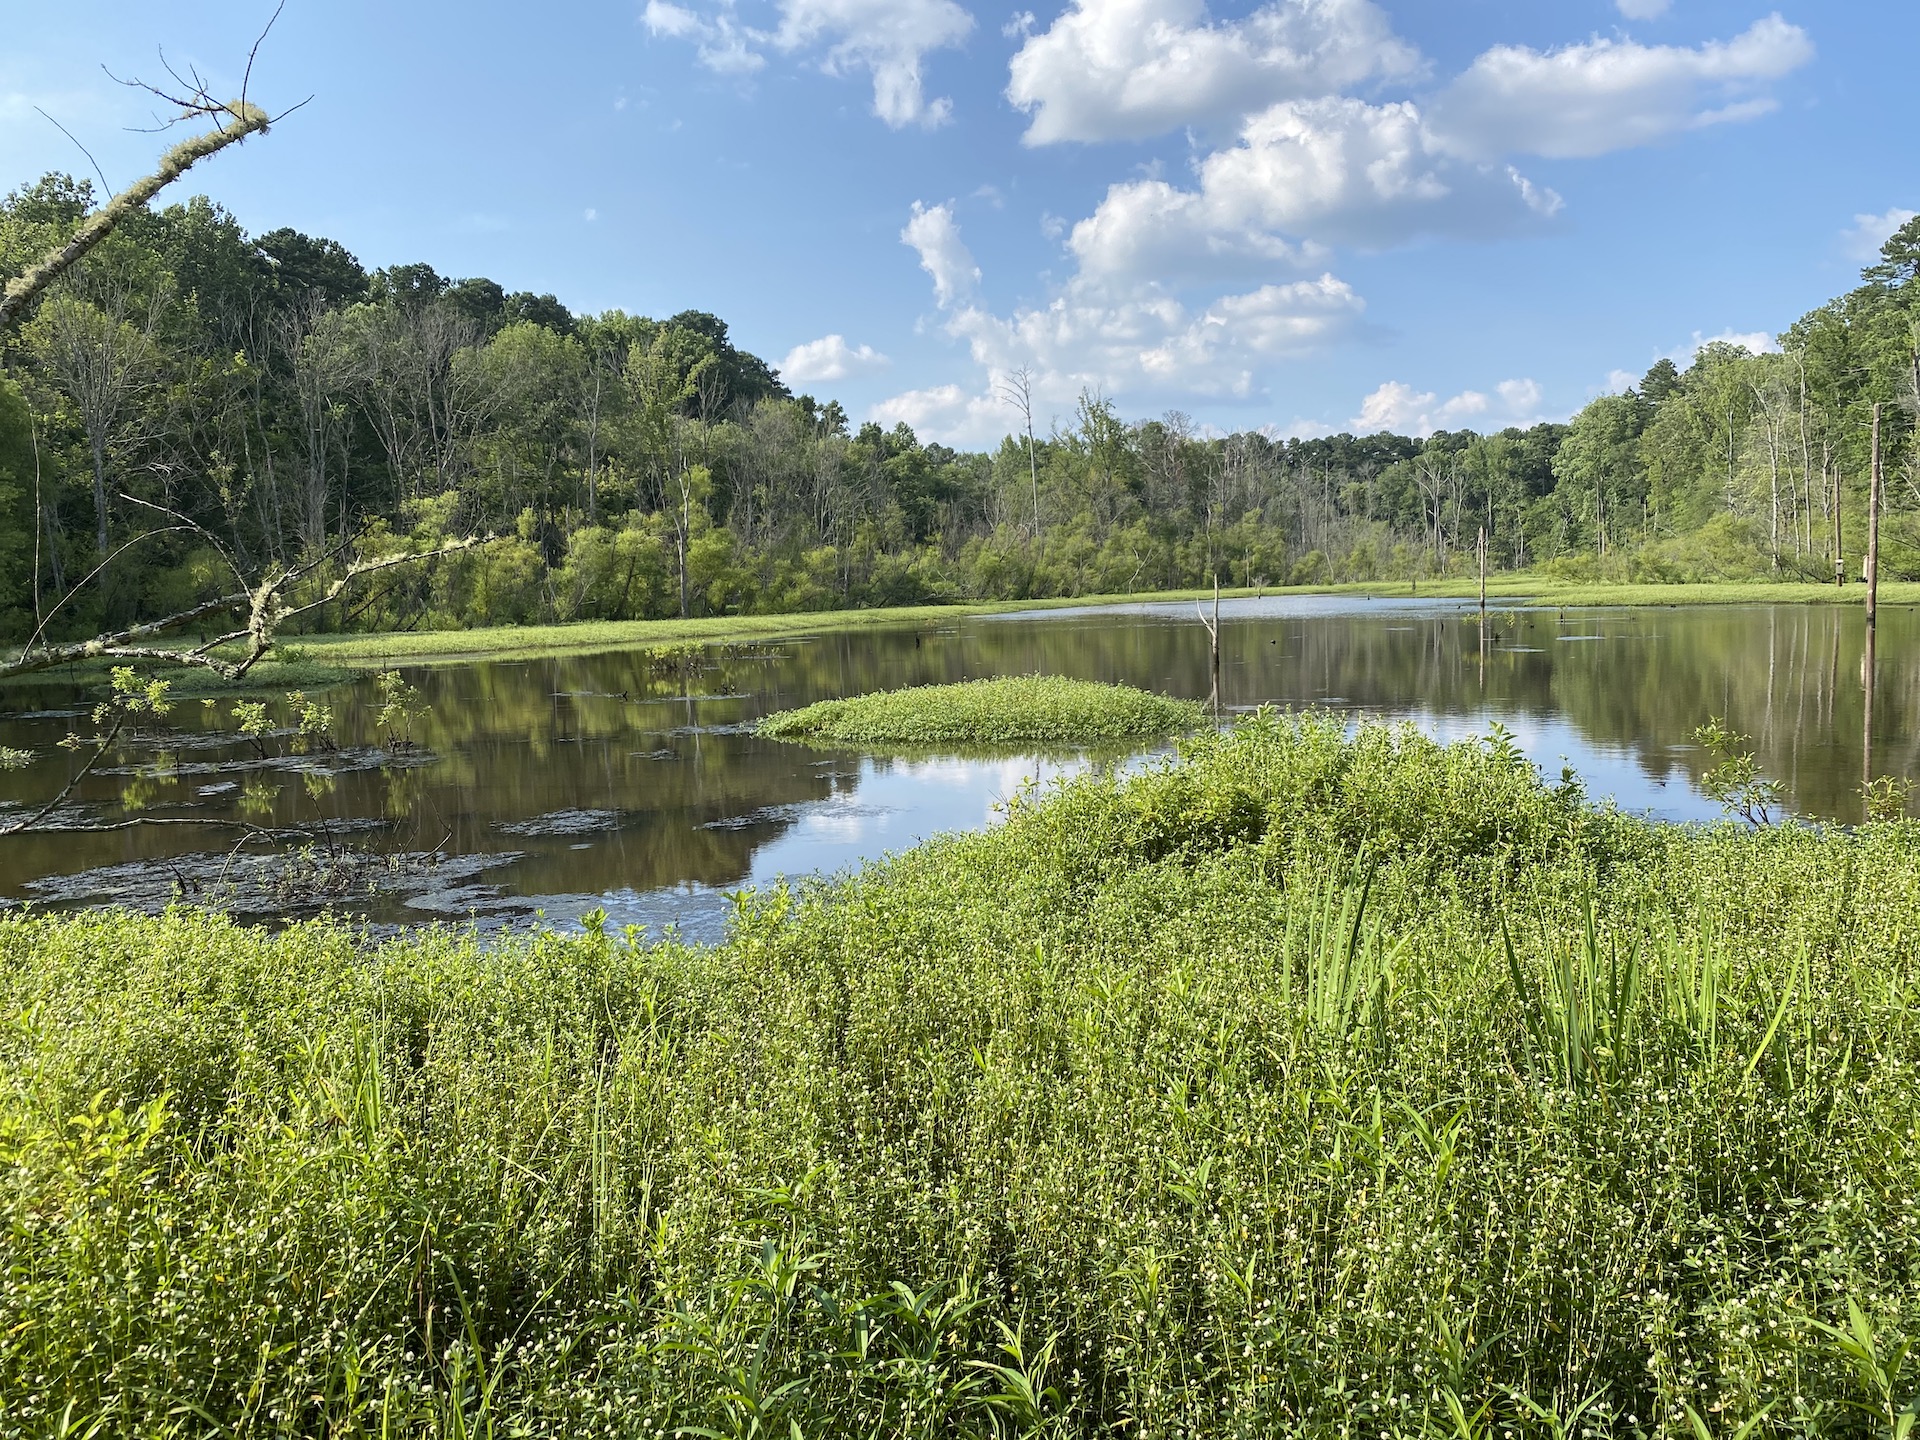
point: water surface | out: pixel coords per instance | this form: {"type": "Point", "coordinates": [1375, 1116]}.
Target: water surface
{"type": "Point", "coordinates": [567, 785]}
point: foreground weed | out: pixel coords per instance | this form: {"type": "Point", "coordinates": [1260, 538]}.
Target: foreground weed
{"type": "Point", "coordinates": [1319, 1082]}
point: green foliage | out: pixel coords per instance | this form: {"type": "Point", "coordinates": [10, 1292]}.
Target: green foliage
{"type": "Point", "coordinates": [250, 719]}
{"type": "Point", "coordinates": [1314, 1084]}
{"type": "Point", "coordinates": [133, 696]}
{"type": "Point", "coordinates": [16, 513]}
{"type": "Point", "coordinates": [401, 705]}
{"type": "Point", "coordinates": [1038, 709]}
{"type": "Point", "coordinates": [1885, 798]}
{"type": "Point", "coordinates": [312, 720]}
{"type": "Point", "coordinates": [634, 468]}
{"type": "Point", "coordinates": [1734, 781]}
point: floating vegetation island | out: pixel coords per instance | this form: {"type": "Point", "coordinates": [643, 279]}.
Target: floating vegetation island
{"type": "Point", "coordinates": [1043, 709]}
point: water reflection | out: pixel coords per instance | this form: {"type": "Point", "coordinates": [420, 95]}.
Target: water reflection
{"type": "Point", "coordinates": [592, 781]}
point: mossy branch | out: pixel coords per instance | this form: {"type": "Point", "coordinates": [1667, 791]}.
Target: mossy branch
{"type": "Point", "coordinates": [241, 120]}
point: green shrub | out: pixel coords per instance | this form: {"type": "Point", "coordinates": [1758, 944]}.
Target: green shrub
{"type": "Point", "coordinates": [1320, 1083]}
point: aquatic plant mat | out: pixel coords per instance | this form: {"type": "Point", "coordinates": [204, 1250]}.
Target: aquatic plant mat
{"type": "Point", "coordinates": [1314, 1085]}
{"type": "Point", "coordinates": [1024, 709]}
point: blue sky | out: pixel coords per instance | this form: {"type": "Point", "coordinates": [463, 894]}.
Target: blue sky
{"type": "Point", "coordinates": [1307, 215]}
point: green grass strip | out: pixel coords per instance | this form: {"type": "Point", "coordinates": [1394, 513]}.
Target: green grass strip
{"type": "Point", "coordinates": [506, 642]}
{"type": "Point", "coordinates": [1044, 709]}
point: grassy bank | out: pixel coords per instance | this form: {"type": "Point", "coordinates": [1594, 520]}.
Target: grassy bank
{"type": "Point", "coordinates": [315, 661]}
{"type": "Point", "coordinates": [1044, 709]}
{"type": "Point", "coordinates": [1319, 1085]}
{"type": "Point", "coordinates": [524, 642]}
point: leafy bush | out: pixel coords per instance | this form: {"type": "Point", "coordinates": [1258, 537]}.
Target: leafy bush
{"type": "Point", "coordinates": [1321, 1083]}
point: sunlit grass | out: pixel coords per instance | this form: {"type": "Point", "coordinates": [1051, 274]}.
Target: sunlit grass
{"type": "Point", "coordinates": [1321, 1083]}
{"type": "Point", "coordinates": [512, 642]}
{"type": "Point", "coordinates": [1039, 709]}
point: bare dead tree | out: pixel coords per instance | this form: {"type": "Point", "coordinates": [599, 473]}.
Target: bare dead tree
{"type": "Point", "coordinates": [1017, 390]}
{"type": "Point", "coordinates": [103, 358]}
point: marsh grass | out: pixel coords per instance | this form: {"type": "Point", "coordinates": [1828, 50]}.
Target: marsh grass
{"type": "Point", "coordinates": [1318, 1083]}
{"type": "Point", "coordinates": [1012, 710]}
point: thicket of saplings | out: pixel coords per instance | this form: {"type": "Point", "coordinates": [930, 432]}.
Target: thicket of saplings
{"type": "Point", "coordinates": [1323, 1083]}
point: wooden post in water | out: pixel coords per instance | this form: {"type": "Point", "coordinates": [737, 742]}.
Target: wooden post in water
{"type": "Point", "coordinates": [1875, 498]}
{"type": "Point", "coordinates": [1213, 635]}
{"type": "Point", "coordinates": [1874, 484]}
{"type": "Point", "coordinates": [1483, 577]}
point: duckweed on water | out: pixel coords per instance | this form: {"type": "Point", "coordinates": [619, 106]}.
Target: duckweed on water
{"type": "Point", "coordinates": [1317, 1084]}
{"type": "Point", "coordinates": [1024, 709]}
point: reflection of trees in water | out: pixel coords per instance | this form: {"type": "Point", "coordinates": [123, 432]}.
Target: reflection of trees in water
{"type": "Point", "coordinates": [1787, 676]}
{"type": "Point", "coordinates": [517, 740]}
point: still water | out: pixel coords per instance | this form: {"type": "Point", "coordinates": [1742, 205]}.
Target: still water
{"type": "Point", "coordinates": [552, 788]}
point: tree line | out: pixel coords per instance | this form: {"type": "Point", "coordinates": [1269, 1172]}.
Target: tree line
{"type": "Point", "coordinates": [190, 399]}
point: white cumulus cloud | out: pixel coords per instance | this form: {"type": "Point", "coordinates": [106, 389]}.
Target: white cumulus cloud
{"type": "Point", "coordinates": [1304, 172]}
{"type": "Point", "coordinates": [723, 44]}
{"type": "Point", "coordinates": [1085, 339]}
{"type": "Point", "coordinates": [1862, 240]}
{"type": "Point", "coordinates": [887, 39]}
{"type": "Point", "coordinates": [1396, 406]}
{"type": "Point", "coordinates": [1129, 69]}
{"type": "Point", "coordinates": [1520, 397]}
{"type": "Point", "coordinates": [1611, 94]}
{"type": "Point", "coordinates": [933, 231]}
{"type": "Point", "coordinates": [1756, 342]}
{"type": "Point", "coordinates": [1110, 339]}
{"type": "Point", "coordinates": [828, 359]}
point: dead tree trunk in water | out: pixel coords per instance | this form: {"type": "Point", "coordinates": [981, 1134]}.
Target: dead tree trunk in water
{"type": "Point", "coordinates": [1876, 492]}
{"type": "Point", "coordinates": [1213, 641]}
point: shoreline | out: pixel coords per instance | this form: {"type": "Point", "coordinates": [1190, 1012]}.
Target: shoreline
{"type": "Point", "coordinates": [453, 647]}
{"type": "Point", "coordinates": [318, 662]}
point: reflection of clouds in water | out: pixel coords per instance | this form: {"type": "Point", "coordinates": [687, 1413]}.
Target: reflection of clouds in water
{"type": "Point", "coordinates": [940, 770]}
{"type": "Point", "coordinates": [1608, 771]}
{"type": "Point", "coordinates": [978, 787]}
{"type": "Point", "coordinates": [843, 824]}
{"type": "Point", "coordinates": [1268, 607]}
{"type": "Point", "coordinates": [896, 803]}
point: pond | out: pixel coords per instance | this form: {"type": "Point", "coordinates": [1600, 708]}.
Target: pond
{"type": "Point", "coordinates": [548, 789]}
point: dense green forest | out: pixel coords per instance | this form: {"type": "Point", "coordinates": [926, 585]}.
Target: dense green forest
{"type": "Point", "coordinates": [191, 389]}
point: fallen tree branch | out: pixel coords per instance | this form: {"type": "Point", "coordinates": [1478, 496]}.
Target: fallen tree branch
{"type": "Point", "coordinates": [254, 832]}
{"type": "Point", "coordinates": [264, 606]}
{"type": "Point", "coordinates": [73, 783]}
